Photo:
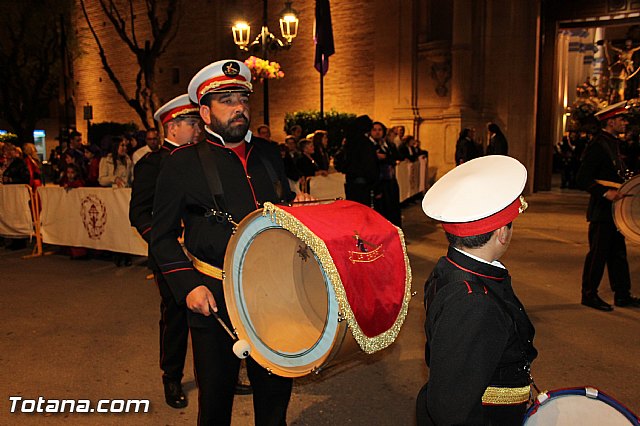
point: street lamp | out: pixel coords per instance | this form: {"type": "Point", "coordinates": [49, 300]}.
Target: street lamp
{"type": "Point", "coordinates": [267, 41]}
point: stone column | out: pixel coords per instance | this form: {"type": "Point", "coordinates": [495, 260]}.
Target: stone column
{"type": "Point", "coordinates": [461, 54]}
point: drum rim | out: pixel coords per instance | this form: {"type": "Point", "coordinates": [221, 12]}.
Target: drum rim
{"type": "Point", "coordinates": [313, 358]}
{"type": "Point", "coordinates": [582, 391]}
{"type": "Point", "coordinates": [617, 208]}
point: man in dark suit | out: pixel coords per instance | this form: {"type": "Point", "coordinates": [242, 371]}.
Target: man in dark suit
{"type": "Point", "coordinates": [181, 120]}
{"type": "Point", "coordinates": [601, 173]}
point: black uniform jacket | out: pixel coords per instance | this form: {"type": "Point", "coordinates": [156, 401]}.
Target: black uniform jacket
{"type": "Point", "coordinates": [143, 189]}
{"type": "Point", "coordinates": [600, 161]}
{"type": "Point", "coordinates": [183, 196]}
{"type": "Point", "coordinates": [362, 161]}
{"type": "Point", "coordinates": [471, 338]}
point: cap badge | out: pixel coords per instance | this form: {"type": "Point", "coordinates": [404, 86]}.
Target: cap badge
{"type": "Point", "coordinates": [523, 205]}
{"type": "Point", "coordinates": [231, 69]}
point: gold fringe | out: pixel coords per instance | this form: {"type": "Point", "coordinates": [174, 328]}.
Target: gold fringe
{"type": "Point", "coordinates": [297, 228]}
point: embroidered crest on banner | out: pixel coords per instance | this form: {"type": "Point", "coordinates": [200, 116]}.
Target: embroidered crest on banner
{"type": "Point", "coordinates": [94, 216]}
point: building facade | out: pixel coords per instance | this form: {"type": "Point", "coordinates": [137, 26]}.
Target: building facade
{"type": "Point", "coordinates": [433, 66]}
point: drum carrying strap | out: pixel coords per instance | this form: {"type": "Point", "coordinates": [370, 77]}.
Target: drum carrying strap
{"type": "Point", "coordinates": [210, 170]}
{"type": "Point", "coordinates": [213, 176]}
{"type": "Point", "coordinates": [492, 395]}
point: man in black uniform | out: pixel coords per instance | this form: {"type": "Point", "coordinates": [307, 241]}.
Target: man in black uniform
{"type": "Point", "coordinates": [601, 173]}
{"type": "Point", "coordinates": [180, 119]}
{"type": "Point", "coordinates": [479, 337]}
{"type": "Point", "coordinates": [209, 187]}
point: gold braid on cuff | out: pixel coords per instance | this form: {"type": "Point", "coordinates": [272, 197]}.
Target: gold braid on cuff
{"type": "Point", "coordinates": [506, 396]}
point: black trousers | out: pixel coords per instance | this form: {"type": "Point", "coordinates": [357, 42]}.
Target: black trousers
{"type": "Point", "coordinates": [174, 333]}
{"type": "Point", "coordinates": [216, 370]}
{"type": "Point", "coordinates": [606, 247]}
{"type": "Point", "coordinates": [387, 201]}
{"type": "Point", "coordinates": [359, 192]}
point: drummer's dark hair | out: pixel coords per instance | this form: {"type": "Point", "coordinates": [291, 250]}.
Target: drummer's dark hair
{"type": "Point", "coordinates": [474, 241]}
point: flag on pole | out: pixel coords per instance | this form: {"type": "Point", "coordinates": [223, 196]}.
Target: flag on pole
{"type": "Point", "coordinates": [323, 36]}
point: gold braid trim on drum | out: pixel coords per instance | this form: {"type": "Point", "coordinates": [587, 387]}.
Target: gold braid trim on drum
{"type": "Point", "coordinates": [506, 396]}
{"type": "Point", "coordinates": [302, 232]}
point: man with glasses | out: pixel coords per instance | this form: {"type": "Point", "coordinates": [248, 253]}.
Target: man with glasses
{"type": "Point", "coordinates": [181, 122]}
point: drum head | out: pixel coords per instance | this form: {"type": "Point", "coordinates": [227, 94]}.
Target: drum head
{"type": "Point", "coordinates": [626, 212]}
{"type": "Point", "coordinates": [279, 299]}
{"type": "Point", "coordinates": [571, 407]}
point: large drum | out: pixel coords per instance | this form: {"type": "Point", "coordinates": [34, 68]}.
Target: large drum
{"type": "Point", "coordinates": [626, 212]}
{"type": "Point", "coordinates": [578, 406]}
{"type": "Point", "coordinates": [306, 285]}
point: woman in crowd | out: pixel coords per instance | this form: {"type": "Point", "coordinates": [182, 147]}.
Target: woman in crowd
{"type": "Point", "coordinates": [116, 171]}
{"type": "Point", "coordinates": [320, 145]}
{"type": "Point", "coordinates": [16, 170]}
{"type": "Point", "coordinates": [116, 168]}
{"type": "Point", "coordinates": [497, 141]}
{"type": "Point", "coordinates": [34, 165]}
{"type": "Point", "coordinates": [409, 149]}
{"type": "Point", "coordinates": [306, 164]}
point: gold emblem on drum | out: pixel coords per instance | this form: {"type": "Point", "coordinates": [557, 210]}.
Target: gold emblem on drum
{"type": "Point", "coordinates": [365, 255]}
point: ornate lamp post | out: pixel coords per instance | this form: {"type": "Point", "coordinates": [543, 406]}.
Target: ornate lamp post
{"type": "Point", "coordinates": [267, 41]}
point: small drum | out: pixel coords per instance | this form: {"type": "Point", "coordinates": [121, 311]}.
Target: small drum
{"type": "Point", "coordinates": [578, 406]}
{"type": "Point", "coordinates": [304, 284]}
{"type": "Point", "coordinates": [626, 212]}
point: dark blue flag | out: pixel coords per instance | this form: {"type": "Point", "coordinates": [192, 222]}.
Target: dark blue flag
{"type": "Point", "coordinates": [323, 36]}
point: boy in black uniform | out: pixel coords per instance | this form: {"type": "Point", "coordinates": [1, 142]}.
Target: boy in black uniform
{"type": "Point", "coordinates": [180, 119]}
{"type": "Point", "coordinates": [209, 187]}
{"type": "Point", "coordinates": [479, 337]}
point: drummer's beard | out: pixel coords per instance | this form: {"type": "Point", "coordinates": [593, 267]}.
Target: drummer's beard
{"type": "Point", "coordinates": [234, 130]}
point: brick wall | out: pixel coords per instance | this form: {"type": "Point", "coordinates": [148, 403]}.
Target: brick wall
{"type": "Point", "coordinates": [204, 35]}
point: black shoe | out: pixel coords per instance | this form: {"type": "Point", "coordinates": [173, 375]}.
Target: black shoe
{"type": "Point", "coordinates": [174, 395]}
{"type": "Point", "coordinates": [242, 389]}
{"type": "Point", "coordinates": [627, 302]}
{"type": "Point", "coordinates": [596, 303]}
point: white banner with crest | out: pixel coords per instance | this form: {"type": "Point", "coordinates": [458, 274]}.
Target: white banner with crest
{"type": "Point", "coordinates": [15, 211]}
{"type": "Point", "coordinates": [95, 218]}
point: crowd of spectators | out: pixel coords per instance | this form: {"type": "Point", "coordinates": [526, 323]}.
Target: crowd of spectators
{"type": "Point", "coordinates": [368, 156]}
{"type": "Point", "coordinates": [76, 164]}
